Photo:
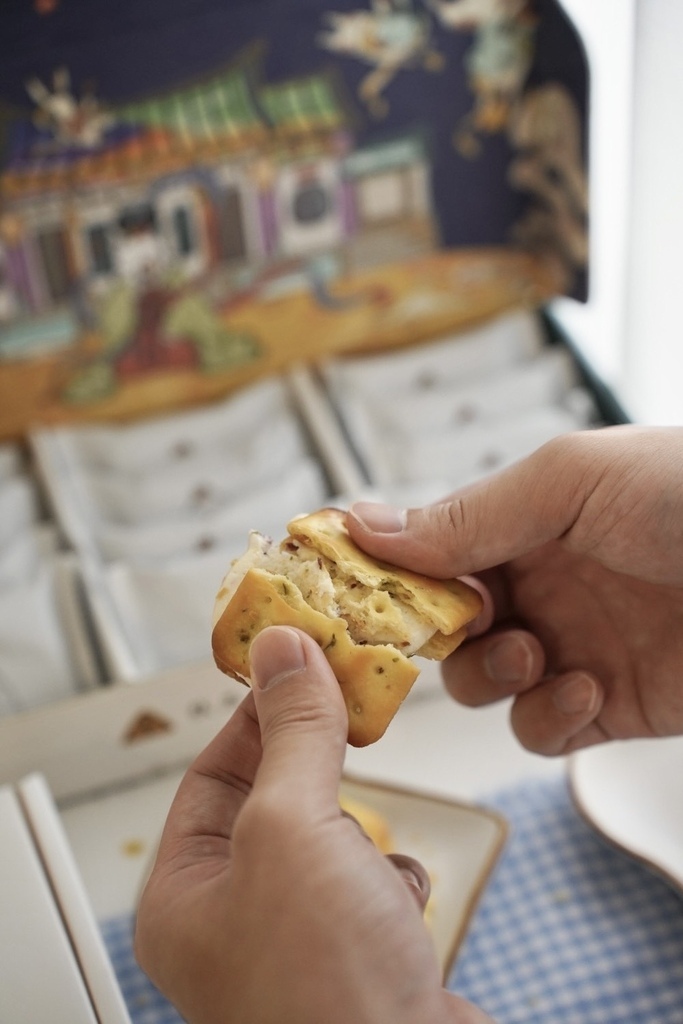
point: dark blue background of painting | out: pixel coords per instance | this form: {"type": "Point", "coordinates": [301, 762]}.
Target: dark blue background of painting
{"type": "Point", "coordinates": [131, 48]}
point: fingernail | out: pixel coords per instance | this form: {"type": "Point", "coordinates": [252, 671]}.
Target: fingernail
{"type": "Point", "coordinates": [275, 654]}
{"type": "Point", "coordinates": [508, 661]}
{"type": "Point", "coordinates": [413, 873]}
{"type": "Point", "coordinates": [577, 696]}
{"type": "Point", "coordinates": [415, 881]}
{"type": "Point", "coordinates": [376, 518]}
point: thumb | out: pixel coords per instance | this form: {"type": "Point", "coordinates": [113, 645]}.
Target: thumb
{"type": "Point", "coordinates": [485, 524]}
{"type": "Point", "coordinates": [302, 716]}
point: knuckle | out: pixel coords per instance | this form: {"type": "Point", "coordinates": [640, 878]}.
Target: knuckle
{"type": "Point", "coordinates": [455, 511]}
{"type": "Point", "coordinates": [303, 715]}
{"type": "Point", "coordinates": [450, 529]}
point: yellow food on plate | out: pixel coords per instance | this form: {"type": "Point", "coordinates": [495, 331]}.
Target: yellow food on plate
{"type": "Point", "coordinates": [374, 824]}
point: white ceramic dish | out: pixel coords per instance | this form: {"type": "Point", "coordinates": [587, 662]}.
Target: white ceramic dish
{"type": "Point", "coordinates": [632, 793]}
{"type": "Point", "coordinates": [114, 838]}
{"type": "Point", "coordinates": [458, 843]}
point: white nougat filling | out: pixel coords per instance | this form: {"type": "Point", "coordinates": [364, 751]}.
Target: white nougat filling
{"type": "Point", "coordinates": [301, 567]}
{"type": "Point", "coordinates": [308, 570]}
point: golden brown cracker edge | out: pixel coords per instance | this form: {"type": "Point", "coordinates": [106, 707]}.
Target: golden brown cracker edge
{"type": "Point", "coordinates": [374, 678]}
{"type": "Point", "coordinates": [445, 604]}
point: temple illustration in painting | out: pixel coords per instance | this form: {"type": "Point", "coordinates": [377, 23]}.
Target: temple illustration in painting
{"type": "Point", "coordinates": [226, 186]}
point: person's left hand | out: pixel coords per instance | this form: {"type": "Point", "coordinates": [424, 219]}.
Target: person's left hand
{"type": "Point", "coordinates": [266, 904]}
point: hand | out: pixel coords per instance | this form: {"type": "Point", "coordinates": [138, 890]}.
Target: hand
{"type": "Point", "coordinates": [266, 904]}
{"type": "Point", "coordinates": [578, 550]}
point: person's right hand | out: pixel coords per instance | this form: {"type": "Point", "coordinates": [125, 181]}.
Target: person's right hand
{"type": "Point", "coordinates": [579, 551]}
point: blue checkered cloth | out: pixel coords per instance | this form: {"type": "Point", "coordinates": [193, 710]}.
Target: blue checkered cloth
{"type": "Point", "coordinates": [145, 1003]}
{"type": "Point", "coordinates": [569, 931]}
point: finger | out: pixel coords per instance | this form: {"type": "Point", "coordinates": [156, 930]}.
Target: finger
{"type": "Point", "coordinates": [560, 714]}
{"type": "Point", "coordinates": [494, 666]}
{"type": "Point", "coordinates": [414, 873]}
{"type": "Point", "coordinates": [302, 717]}
{"type": "Point", "coordinates": [461, 1011]}
{"type": "Point", "coordinates": [415, 876]}
{"type": "Point", "coordinates": [485, 524]}
{"type": "Point", "coordinates": [486, 616]}
{"type": "Point", "coordinates": [215, 786]}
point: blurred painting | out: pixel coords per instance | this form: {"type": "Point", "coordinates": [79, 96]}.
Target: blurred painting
{"type": "Point", "coordinates": [194, 194]}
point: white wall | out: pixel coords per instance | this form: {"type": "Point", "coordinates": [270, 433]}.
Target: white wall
{"type": "Point", "coordinates": [653, 366]}
{"type": "Point", "coordinates": [632, 330]}
{"type": "Point", "coordinates": [607, 28]}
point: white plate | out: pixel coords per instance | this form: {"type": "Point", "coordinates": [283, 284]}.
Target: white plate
{"type": "Point", "coordinates": [114, 839]}
{"type": "Point", "coordinates": [631, 792]}
{"type": "Point", "coordinates": [458, 843]}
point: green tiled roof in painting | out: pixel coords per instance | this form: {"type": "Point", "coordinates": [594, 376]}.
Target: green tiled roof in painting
{"type": "Point", "coordinates": [307, 104]}
{"type": "Point", "coordinates": [224, 113]}
{"type": "Point", "coordinates": [219, 108]}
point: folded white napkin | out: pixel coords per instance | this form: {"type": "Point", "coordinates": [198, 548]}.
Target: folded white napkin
{"type": "Point", "coordinates": [164, 606]}
{"type": "Point", "coordinates": [178, 438]}
{"type": "Point", "coordinates": [464, 455]}
{"type": "Point", "coordinates": [545, 380]}
{"type": "Point", "coordinates": [36, 664]}
{"type": "Point", "coordinates": [19, 558]}
{"type": "Point", "coordinates": [10, 460]}
{"type": "Point", "coordinates": [299, 488]}
{"type": "Point", "coordinates": [18, 506]}
{"type": "Point", "coordinates": [165, 611]}
{"type": "Point", "coordinates": [202, 485]}
{"type": "Point", "coordinates": [454, 360]}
